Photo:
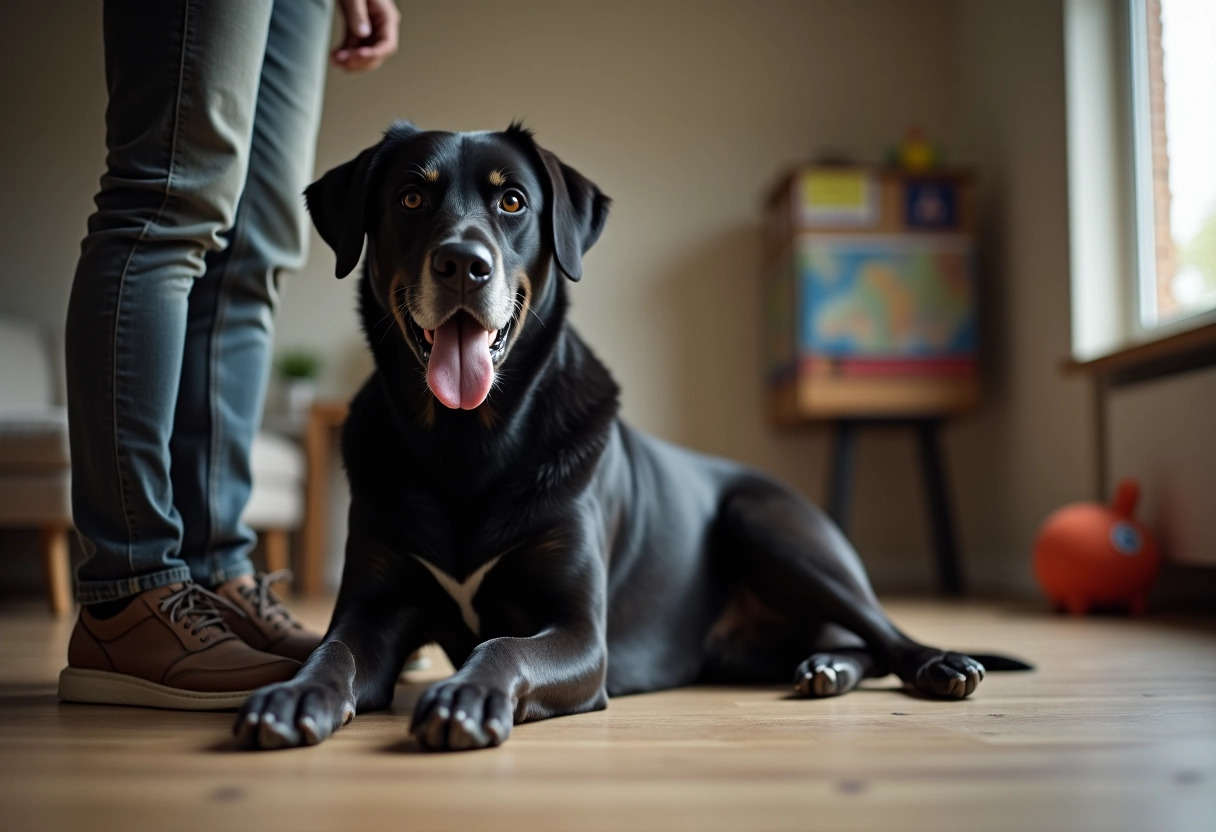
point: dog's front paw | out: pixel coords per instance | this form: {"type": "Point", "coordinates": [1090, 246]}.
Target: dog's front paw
{"type": "Point", "coordinates": [291, 714]}
{"type": "Point", "coordinates": [457, 716]}
{"type": "Point", "coordinates": [949, 676]}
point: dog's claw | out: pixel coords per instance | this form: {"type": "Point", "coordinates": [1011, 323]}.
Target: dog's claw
{"type": "Point", "coordinates": [290, 714]}
{"type": "Point", "coordinates": [949, 676]}
{"type": "Point", "coordinates": [440, 725]}
{"type": "Point", "coordinates": [308, 729]}
{"type": "Point", "coordinates": [825, 674]}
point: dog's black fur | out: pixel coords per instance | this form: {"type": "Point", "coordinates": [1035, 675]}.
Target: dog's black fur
{"type": "Point", "coordinates": [616, 563]}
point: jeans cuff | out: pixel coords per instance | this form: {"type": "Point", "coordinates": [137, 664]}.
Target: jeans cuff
{"type": "Point", "coordinates": [95, 592]}
{"type": "Point", "coordinates": [211, 574]}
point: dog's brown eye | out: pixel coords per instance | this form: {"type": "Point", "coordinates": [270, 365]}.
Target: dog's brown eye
{"type": "Point", "coordinates": [512, 202]}
{"type": "Point", "coordinates": [411, 200]}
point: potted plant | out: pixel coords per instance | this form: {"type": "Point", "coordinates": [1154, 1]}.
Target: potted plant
{"type": "Point", "coordinates": [299, 369]}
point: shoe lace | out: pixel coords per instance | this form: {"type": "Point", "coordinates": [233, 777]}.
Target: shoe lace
{"type": "Point", "coordinates": [270, 607]}
{"type": "Point", "coordinates": [195, 606]}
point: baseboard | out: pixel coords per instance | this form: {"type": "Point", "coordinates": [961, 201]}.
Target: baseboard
{"type": "Point", "coordinates": [1184, 588]}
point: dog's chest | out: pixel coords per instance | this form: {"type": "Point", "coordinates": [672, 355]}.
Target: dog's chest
{"type": "Point", "coordinates": [462, 592]}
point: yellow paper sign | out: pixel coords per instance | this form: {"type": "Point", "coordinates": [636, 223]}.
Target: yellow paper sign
{"type": "Point", "coordinates": [845, 196]}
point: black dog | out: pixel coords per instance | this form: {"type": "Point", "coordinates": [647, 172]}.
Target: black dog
{"type": "Point", "coordinates": [502, 510]}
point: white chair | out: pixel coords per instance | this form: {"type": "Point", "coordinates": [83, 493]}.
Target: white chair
{"type": "Point", "coordinates": [35, 470]}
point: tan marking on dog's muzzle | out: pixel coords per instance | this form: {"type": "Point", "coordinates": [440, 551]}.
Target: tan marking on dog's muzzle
{"type": "Point", "coordinates": [396, 302]}
{"type": "Point", "coordinates": [525, 284]}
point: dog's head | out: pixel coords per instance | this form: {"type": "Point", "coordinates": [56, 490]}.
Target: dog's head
{"type": "Point", "coordinates": [463, 232]}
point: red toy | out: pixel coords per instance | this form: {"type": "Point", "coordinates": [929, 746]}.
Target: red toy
{"type": "Point", "coordinates": [1089, 555]}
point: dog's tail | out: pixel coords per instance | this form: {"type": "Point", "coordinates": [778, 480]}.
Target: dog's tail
{"type": "Point", "coordinates": [997, 663]}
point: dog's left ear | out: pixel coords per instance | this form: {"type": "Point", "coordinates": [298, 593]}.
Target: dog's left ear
{"type": "Point", "coordinates": [577, 211]}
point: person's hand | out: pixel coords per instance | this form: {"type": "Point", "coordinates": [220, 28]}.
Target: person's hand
{"type": "Point", "coordinates": [371, 34]}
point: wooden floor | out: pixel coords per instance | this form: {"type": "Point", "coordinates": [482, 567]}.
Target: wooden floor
{"type": "Point", "coordinates": [1116, 730]}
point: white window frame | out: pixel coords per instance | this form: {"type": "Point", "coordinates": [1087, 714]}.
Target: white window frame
{"type": "Point", "coordinates": [1110, 181]}
{"type": "Point", "coordinates": [1143, 209]}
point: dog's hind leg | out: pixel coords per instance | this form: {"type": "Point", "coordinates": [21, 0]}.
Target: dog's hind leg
{"type": "Point", "coordinates": [797, 562]}
{"type": "Point", "coordinates": [752, 643]}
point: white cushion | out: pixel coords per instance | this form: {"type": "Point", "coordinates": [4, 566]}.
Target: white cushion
{"type": "Point", "coordinates": [276, 460]}
{"type": "Point", "coordinates": [26, 375]}
{"type": "Point", "coordinates": [35, 478]}
{"type": "Point", "coordinates": [277, 501]}
{"type": "Point", "coordinates": [44, 498]}
{"type": "Point", "coordinates": [274, 508]}
{"type": "Point", "coordinates": [33, 438]}
{"type": "Point", "coordinates": [35, 499]}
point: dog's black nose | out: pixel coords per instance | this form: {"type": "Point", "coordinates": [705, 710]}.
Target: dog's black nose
{"type": "Point", "coordinates": [467, 263]}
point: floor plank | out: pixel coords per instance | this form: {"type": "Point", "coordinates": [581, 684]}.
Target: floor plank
{"type": "Point", "coordinates": [1116, 730]}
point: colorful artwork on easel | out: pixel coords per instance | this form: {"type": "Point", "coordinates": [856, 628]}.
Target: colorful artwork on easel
{"type": "Point", "coordinates": [887, 304]}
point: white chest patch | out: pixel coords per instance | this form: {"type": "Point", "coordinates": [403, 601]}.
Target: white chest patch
{"type": "Point", "coordinates": [463, 593]}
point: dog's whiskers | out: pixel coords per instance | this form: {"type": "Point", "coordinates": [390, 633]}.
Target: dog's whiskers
{"type": "Point", "coordinates": [387, 317]}
{"type": "Point", "coordinates": [519, 304]}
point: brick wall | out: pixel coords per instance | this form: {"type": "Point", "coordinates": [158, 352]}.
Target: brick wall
{"type": "Point", "coordinates": [1166, 263]}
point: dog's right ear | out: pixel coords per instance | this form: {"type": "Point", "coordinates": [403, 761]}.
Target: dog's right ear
{"type": "Point", "coordinates": [337, 203]}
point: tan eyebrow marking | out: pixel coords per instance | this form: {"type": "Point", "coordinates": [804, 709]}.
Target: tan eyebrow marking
{"type": "Point", "coordinates": [431, 175]}
{"type": "Point", "coordinates": [497, 179]}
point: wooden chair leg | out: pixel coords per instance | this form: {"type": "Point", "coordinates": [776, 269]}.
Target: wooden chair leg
{"type": "Point", "coordinates": [276, 545]}
{"type": "Point", "coordinates": [57, 568]}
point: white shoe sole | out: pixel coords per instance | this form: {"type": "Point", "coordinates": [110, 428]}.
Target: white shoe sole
{"type": "Point", "coordinates": [421, 663]}
{"type": "Point", "coordinates": [101, 687]}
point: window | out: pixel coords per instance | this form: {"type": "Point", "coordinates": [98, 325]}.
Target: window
{"type": "Point", "coordinates": [1173, 103]}
{"type": "Point", "coordinates": [1141, 91]}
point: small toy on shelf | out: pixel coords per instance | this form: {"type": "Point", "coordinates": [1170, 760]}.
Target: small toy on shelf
{"type": "Point", "coordinates": [915, 153]}
{"type": "Point", "coordinates": [1089, 555]}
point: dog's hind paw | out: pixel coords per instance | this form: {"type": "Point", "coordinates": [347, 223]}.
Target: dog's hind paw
{"type": "Point", "coordinates": [827, 674]}
{"type": "Point", "coordinates": [948, 676]}
{"type": "Point", "coordinates": [461, 716]}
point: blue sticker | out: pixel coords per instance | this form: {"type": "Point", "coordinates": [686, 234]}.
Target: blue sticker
{"type": "Point", "coordinates": [930, 204]}
{"type": "Point", "coordinates": [1125, 539]}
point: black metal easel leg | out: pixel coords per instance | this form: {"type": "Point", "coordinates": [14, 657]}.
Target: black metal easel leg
{"type": "Point", "coordinates": [949, 571]}
{"type": "Point", "coordinates": [840, 488]}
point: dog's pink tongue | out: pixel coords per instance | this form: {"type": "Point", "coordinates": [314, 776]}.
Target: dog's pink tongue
{"type": "Point", "coordinates": [460, 371]}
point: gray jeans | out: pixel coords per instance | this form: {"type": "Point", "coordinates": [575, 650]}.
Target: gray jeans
{"type": "Point", "coordinates": [210, 130]}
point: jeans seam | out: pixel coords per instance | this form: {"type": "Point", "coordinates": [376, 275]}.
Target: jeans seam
{"type": "Point", "coordinates": [124, 479]}
{"type": "Point", "coordinates": [214, 378]}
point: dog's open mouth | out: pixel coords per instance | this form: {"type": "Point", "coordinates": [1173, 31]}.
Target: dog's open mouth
{"type": "Point", "coordinates": [460, 356]}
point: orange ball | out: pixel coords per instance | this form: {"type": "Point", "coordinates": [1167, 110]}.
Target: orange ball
{"type": "Point", "coordinates": [1090, 555]}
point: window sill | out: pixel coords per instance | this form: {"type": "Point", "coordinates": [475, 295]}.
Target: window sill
{"type": "Point", "coordinates": [1186, 350]}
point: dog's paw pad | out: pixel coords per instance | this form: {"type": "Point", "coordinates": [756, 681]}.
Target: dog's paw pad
{"type": "Point", "coordinates": [825, 674]}
{"type": "Point", "coordinates": [458, 716]}
{"type": "Point", "coordinates": [949, 676]}
{"type": "Point", "coordinates": [289, 714]}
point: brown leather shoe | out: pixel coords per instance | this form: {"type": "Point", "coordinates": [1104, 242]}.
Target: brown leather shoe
{"type": "Point", "coordinates": [262, 621]}
{"type": "Point", "coordinates": [169, 648]}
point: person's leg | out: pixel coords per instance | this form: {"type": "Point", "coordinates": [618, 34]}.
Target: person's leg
{"type": "Point", "coordinates": [230, 325]}
{"type": "Point", "coordinates": [183, 79]}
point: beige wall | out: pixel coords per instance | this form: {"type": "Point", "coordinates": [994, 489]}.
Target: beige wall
{"type": "Point", "coordinates": [52, 134]}
{"type": "Point", "coordinates": [1160, 433]}
{"type": "Point", "coordinates": [684, 112]}
{"type": "Point", "coordinates": [1030, 449]}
